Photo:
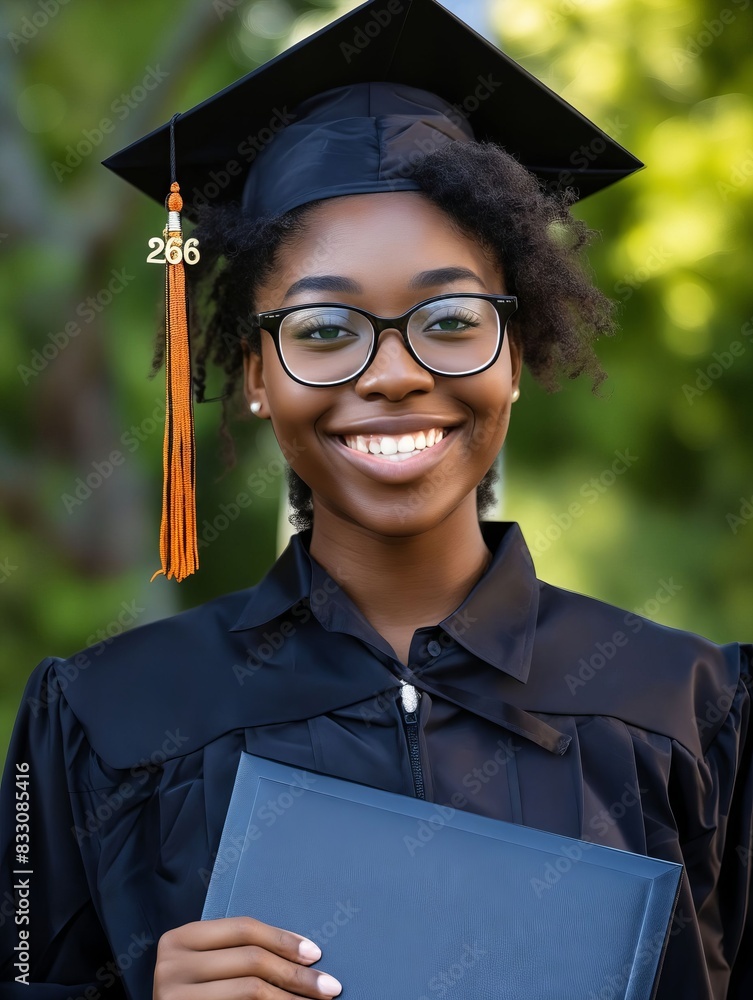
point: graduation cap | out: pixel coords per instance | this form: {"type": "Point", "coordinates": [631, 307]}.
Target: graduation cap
{"type": "Point", "coordinates": [347, 110]}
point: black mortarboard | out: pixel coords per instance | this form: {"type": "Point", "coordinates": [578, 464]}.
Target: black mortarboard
{"type": "Point", "coordinates": [415, 43]}
{"type": "Point", "coordinates": [345, 111]}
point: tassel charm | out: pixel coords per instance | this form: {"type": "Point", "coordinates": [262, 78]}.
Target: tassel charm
{"type": "Point", "coordinates": [178, 542]}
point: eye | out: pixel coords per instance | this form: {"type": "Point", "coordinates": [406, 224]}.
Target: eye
{"type": "Point", "coordinates": [322, 328]}
{"type": "Point", "coordinates": [451, 320]}
{"type": "Point", "coordinates": [322, 333]}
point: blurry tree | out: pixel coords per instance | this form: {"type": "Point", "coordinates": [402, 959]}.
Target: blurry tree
{"type": "Point", "coordinates": [672, 81]}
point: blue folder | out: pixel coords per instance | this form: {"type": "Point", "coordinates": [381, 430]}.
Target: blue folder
{"type": "Point", "coordinates": [413, 900]}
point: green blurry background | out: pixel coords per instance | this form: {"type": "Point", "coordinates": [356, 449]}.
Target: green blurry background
{"type": "Point", "coordinates": [668, 531]}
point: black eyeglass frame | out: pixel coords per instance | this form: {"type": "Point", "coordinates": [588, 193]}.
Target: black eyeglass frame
{"type": "Point", "coordinates": [271, 321]}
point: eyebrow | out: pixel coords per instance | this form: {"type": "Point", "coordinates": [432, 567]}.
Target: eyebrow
{"type": "Point", "coordinates": [444, 276]}
{"type": "Point", "coordinates": [341, 283]}
{"type": "Point", "coordinates": [323, 283]}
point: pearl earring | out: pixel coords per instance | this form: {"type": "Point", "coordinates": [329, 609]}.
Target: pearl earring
{"type": "Point", "coordinates": [255, 406]}
{"type": "Point", "coordinates": [515, 395]}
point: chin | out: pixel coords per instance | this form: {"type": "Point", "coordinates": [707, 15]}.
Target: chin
{"type": "Point", "coordinates": [394, 518]}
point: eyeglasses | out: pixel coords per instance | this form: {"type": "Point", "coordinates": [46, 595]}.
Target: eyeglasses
{"type": "Point", "coordinates": [330, 343]}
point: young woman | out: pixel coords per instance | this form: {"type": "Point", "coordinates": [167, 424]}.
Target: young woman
{"type": "Point", "coordinates": [389, 327]}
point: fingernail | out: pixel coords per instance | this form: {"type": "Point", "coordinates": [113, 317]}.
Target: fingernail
{"type": "Point", "coordinates": [307, 949]}
{"type": "Point", "coordinates": [328, 984]}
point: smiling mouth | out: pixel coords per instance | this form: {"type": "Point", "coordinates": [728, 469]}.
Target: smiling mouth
{"type": "Point", "coordinates": [395, 447]}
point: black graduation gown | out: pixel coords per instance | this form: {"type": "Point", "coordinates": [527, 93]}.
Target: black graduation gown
{"type": "Point", "coordinates": [539, 706]}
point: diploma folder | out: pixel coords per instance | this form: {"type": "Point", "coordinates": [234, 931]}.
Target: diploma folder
{"type": "Point", "coordinates": [414, 900]}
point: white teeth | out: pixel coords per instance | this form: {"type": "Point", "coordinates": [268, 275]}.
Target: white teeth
{"type": "Point", "coordinates": [395, 448]}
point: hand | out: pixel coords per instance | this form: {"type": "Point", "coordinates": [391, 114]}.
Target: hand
{"type": "Point", "coordinates": [238, 958]}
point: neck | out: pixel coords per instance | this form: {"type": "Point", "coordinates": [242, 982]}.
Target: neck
{"type": "Point", "coordinates": [403, 583]}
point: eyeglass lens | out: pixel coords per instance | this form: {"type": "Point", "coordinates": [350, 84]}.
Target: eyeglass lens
{"type": "Point", "coordinates": [332, 343]}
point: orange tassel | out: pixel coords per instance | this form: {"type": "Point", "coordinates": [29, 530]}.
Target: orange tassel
{"type": "Point", "coordinates": [178, 544]}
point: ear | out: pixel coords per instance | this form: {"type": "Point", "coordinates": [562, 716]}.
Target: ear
{"type": "Point", "coordinates": [253, 380]}
{"type": "Point", "coordinates": [516, 360]}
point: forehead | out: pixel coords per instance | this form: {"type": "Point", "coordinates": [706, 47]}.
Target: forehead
{"type": "Point", "coordinates": [379, 241]}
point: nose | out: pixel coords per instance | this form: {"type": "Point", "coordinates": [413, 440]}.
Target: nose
{"type": "Point", "coordinates": [393, 373]}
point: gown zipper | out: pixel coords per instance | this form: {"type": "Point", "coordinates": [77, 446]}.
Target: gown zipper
{"type": "Point", "coordinates": [410, 698]}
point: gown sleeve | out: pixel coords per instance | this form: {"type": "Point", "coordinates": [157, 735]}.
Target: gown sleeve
{"type": "Point", "coordinates": [720, 864]}
{"type": "Point", "coordinates": [48, 896]}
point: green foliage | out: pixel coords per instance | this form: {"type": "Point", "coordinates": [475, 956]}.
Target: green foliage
{"type": "Point", "coordinates": [670, 79]}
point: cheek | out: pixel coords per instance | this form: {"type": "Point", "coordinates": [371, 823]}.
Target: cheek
{"type": "Point", "coordinates": [489, 434]}
{"type": "Point", "coordinates": [294, 411]}
{"type": "Point", "coordinates": [287, 398]}
{"type": "Point", "coordinates": [490, 403]}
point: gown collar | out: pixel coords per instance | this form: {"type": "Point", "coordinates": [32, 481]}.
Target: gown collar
{"type": "Point", "coordinates": [496, 622]}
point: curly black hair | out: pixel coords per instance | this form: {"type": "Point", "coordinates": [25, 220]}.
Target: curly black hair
{"type": "Point", "coordinates": [527, 231]}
